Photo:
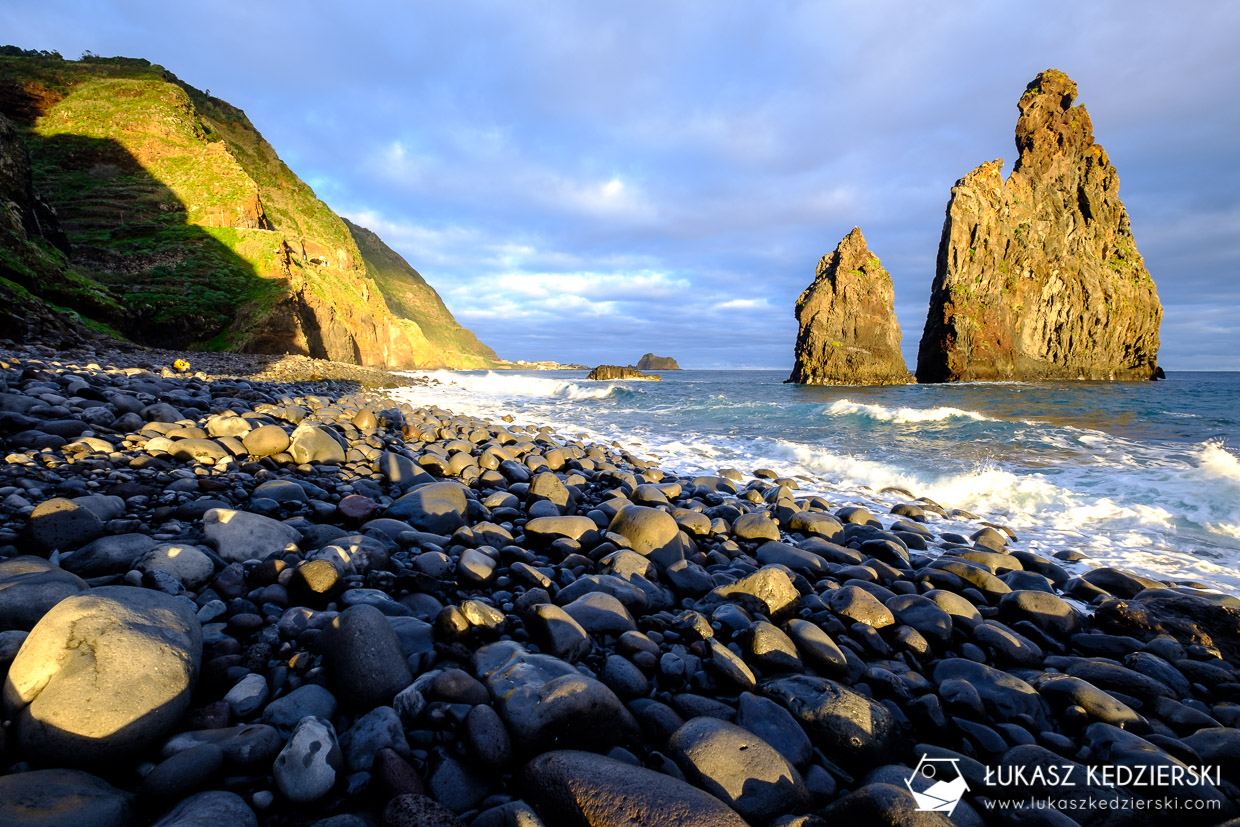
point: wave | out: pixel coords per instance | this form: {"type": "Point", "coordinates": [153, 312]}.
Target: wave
{"type": "Point", "coordinates": [518, 385]}
{"type": "Point", "coordinates": [902, 416]}
{"type": "Point", "coordinates": [1217, 461]}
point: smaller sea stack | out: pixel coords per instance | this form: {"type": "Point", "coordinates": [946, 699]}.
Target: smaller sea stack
{"type": "Point", "coordinates": [848, 330]}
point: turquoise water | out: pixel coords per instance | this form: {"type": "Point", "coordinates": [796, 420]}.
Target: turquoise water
{"type": "Point", "coordinates": [1141, 475]}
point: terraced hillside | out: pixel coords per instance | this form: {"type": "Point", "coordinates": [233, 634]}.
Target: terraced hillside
{"type": "Point", "coordinates": [184, 228]}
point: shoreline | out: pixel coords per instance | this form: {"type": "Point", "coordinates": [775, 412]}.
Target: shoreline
{"type": "Point", "coordinates": [457, 606]}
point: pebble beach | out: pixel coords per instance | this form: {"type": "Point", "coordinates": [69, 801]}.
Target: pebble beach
{"type": "Point", "coordinates": [268, 591]}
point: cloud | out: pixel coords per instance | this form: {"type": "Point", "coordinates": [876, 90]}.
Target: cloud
{"type": "Point", "coordinates": [594, 178]}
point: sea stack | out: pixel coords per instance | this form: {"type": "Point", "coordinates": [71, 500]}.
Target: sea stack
{"type": "Point", "coordinates": [848, 330]}
{"type": "Point", "coordinates": [1038, 277]}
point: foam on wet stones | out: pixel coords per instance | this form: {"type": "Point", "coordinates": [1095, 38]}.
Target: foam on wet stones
{"type": "Point", "coordinates": [103, 675]}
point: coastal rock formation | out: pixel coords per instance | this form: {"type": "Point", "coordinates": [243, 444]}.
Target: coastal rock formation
{"type": "Point", "coordinates": [182, 227]}
{"type": "Point", "coordinates": [652, 362]}
{"type": "Point", "coordinates": [848, 330]}
{"type": "Point", "coordinates": [606, 373]}
{"type": "Point", "coordinates": [1038, 276]}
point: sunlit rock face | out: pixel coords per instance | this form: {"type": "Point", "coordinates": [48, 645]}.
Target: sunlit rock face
{"type": "Point", "coordinates": [104, 674]}
{"type": "Point", "coordinates": [1038, 276]}
{"type": "Point", "coordinates": [848, 331]}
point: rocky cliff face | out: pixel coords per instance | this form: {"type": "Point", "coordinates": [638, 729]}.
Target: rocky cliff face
{"type": "Point", "coordinates": [652, 362]}
{"type": "Point", "coordinates": [1038, 276]}
{"type": "Point", "coordinates": [848, 330]}
{"type": "Point", "coordinates": [184, 219]}
{"type": "Point", "coordinates": [608, 373]}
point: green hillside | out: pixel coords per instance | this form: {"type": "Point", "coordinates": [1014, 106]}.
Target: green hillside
{"type": "Point", "coordinates": [184, 227]}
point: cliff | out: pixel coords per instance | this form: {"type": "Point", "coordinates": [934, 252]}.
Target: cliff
{"type": "Point", "coordinates": [848, 333]}
{"type": "Point", "coordinates": [1038, 276]}
{"type": "Point", "coordinates": [186, 222]}
{"type": "Point", "coordinates": [652, 362]}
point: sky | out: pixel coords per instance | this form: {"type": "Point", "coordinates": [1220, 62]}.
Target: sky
{"type": "Point", "coordinates": [588, 182]}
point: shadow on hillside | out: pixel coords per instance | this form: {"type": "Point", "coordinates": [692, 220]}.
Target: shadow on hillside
{"type": "Point", "coordinates": [127, 230]}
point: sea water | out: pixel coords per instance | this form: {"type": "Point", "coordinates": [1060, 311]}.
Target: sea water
{"type": "Point", "coordinates": [1139, 475]}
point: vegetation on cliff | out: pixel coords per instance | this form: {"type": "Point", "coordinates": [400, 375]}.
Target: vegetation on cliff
{"type": "Point", "coordinates": [848, 333]}
{"type": "Point", "coordinates": [184, 228]}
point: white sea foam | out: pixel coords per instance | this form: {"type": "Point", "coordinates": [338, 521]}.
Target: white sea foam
{"type": "Point", "coordinates": [902, 416]}
{"type": "Point", "coordinates": [508, 385]}
{"type": "Point", "coordinates": [1171, 514]}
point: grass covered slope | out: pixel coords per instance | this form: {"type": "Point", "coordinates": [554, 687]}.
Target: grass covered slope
{"type": "Point", "coordinates": [411, 298]}
{"type": "Point", "coordinates": [185, 220]}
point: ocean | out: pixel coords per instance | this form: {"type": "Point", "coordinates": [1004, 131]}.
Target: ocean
{"type": "Point", "coordinates": [1138, 475]}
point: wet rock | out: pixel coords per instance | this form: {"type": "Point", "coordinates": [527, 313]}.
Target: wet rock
{"type": "Point", "coordinates": [1005, 697]}
{"type": "Point", "coordinates": [650, 532]}
{"type": "Point", "coordinates": [1048, 612]}
{"type": "Point", "coordinates": [858, 605]}
{"type": "Point", "coordinates": [558, 633]}
{"type": "Point", "coordinates": [417, 810]}
{"type": "Point", "coordinates": [774, 725]}
{"type": "Point", "coordinates": [71, 690]}
{"type": "Point", "coordinates": [850, 728]}
{"type": "Point", "coordinates": [768, 591]}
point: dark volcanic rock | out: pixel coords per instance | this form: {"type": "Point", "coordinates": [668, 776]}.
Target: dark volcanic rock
{"type": "Point", "coordinates": [72, 692]}
{"type": "Point", "coordinates": [608, 372]}
{"type": "Point", "coordinates": [652, 362]}
{"type": "Point", "coordinates": [579, 789]}
{"type": "Point", "coordinates": [1038, 276]}
{"type": "Point", "coordinates": [848, 330]}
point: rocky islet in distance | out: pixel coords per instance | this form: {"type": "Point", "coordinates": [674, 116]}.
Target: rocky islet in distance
{"type": "Point", "coordinates": [608, 373]}
{"type": "Point", "coordinates": [848, 333]}
{"type": "Point", "coordinates": [436, 619]}
{"type": "Point", "coordinates": [652, 362]}
{"type": "Point", "coordinates": [1038, 276]}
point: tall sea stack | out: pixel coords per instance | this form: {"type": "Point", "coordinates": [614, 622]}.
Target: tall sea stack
{"type": "Point", "coordinates": [1038, 277]}
{"type": "Point", "coordinates": [848, 330]}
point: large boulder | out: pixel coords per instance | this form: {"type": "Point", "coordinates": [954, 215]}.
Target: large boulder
{"type": "Point", "coordinates": [848, 332]}
{"type": "Point", "coordinates": [851, 729]}
{"type": "Point", "coordinates": [239, 536]}
{"type": "Point", "coordinates": [364, 657]}
{"type": "Point", "coordinates": [62, 797]}
{"type": "Point", "coordinates": [580, 789]}
{"type": "Point", "coordinates": [63, 524]}
{"type": "Point", "coordinates": [547, 702]}
{"type": "Point", "coordinates": [1038, 276]}
{"type": "Point", "coordinates": [739, 768]}
{"type": "Point", "coordinates": [103, 675]}
{"type": "Point", "coordinates": [437, 507]}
